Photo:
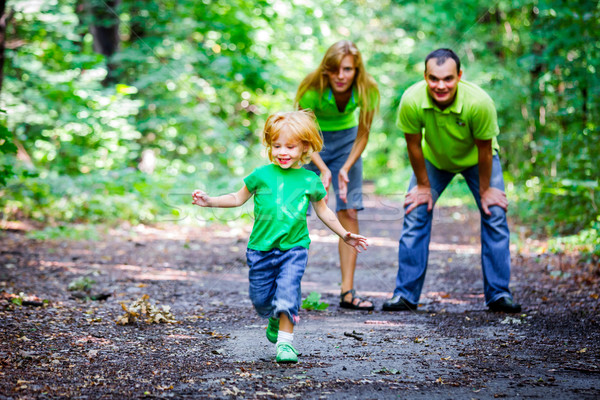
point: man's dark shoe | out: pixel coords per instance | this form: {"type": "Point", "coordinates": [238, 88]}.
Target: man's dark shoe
{"type": "Point", "coordinates": [398, 303]}
{"type": "Point", "coordinates": [505, 304]}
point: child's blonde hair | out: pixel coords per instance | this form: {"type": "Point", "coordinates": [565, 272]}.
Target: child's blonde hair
{"type": "Point", "coordinates": [318, 80]}
{"type": "Point", "coordinates": [303, 127]}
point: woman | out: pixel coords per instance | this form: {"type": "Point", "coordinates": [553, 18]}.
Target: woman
{"type": "Point", "coordinates": [334, 91]}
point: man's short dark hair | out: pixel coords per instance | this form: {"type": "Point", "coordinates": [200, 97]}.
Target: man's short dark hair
{"type": "Point", "coordinates": [441, 55]}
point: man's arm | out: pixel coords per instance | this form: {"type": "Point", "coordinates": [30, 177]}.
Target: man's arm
{"type": "Point", "coordinates": [420, 194]}
{"type": "Point", "coordinates": [490, 196]}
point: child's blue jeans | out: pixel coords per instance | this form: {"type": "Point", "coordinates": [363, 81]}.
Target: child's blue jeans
{"type": "Point", "coordinates": [275, 277]}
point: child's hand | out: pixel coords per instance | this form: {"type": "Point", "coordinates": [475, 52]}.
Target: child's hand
{"type": "Point", "coordinates": [200, 198]}
{"type": "Point", "coordinates": [356, 241]}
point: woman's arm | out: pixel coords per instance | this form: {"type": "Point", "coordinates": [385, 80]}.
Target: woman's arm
{"type": "Point", "coordinates": [362, 137]}
{"type": "Point", "coordinates": [319, 163]}
{"type": "Point", "coordinates": [325, 172]}
{"type": "Point", "coordinates": [236, 199]}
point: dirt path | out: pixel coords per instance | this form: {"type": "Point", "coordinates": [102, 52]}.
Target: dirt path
{"type": "Point", "coordinates": [450, 348]}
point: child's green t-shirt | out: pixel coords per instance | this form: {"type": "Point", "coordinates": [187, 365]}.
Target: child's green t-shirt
{"type": "Point", "coordinates": [281, 199]}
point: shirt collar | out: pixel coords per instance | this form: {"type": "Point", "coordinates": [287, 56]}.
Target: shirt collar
{"type": "Point", "coordinates": [328, 96]}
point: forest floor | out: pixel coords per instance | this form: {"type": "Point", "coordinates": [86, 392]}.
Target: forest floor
{"type": "Point", "coordinates": [452, 347]}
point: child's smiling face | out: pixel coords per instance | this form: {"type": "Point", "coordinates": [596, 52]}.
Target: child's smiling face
{"type": "Point", "coordinates": [287, 151]}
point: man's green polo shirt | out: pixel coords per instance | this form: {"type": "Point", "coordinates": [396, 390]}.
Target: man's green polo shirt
{"type": "Point", "coordinates": [449, 135]}
{"type": "Point", "coordinates": [327, 113]}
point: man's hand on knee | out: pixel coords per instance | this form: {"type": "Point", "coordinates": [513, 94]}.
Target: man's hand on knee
{"type": "Point", "coordinates": [493, 197]}
{"type": "Point", "coordinates": [418, 195]}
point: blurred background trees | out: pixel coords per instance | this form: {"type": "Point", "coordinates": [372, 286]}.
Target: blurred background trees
{"type": "Point", "coordinates": [117, 109]}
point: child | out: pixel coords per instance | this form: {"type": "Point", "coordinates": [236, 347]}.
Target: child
{"type": "Point", "coordinates": [278, 246]}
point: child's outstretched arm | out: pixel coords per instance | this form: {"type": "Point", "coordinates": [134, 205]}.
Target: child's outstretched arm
{"type": "Point", "coordinates": [328, 217]}
{"type": "Point", "coordinates": [225, 201]}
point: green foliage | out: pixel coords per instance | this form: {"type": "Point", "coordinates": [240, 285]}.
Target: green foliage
{"type": "Point", "coordinates": [313, 302]}
{"type": "Point", "coordinates": [71, 232]}
{"type": "Point", "coordinates": [586, 241]}
{"type": "Point", "coordinates": [83, 284]}
{"type": "Point", "coordinates": [110, 197]}
{"type": "Point", "coordinates": [191, 84]}
{"type": "Point", "coordinates": [27, 300]}
{"type": "Point", "coordinates": [552, 206]}
{"type": "Point", "coordinates": [561, 183]}
{"type": "Point", "coordinates": [127, 195]}
{"type": "Point", "coordinates": [7, 148]}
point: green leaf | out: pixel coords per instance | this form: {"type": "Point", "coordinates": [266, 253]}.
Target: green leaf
{"type": "Point", "coordinates": [312, 302]}
{"type": "Point", "coordinates": [124, 89]}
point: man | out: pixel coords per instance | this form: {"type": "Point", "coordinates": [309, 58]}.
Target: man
{"type": "Point", "coordinates": [450, 127]}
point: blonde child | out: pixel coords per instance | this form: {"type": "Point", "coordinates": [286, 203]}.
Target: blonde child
{"type": "Point", "coordinates": [277, 251]}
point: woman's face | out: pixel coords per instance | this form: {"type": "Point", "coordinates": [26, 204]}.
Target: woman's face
{"type": "Point", "coordinates": [342, 79]}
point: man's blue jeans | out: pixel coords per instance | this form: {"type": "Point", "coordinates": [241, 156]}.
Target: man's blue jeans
{"type": "Point", "coordinates": [413, 250]}
{"type": "Point", "coordinates": [275, 278]}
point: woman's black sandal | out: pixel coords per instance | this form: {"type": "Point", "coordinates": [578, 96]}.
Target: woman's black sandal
{"type": "Point", "coordinates": [350, 304]}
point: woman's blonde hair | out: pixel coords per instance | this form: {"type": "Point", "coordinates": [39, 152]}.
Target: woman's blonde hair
{"type": "Point", "coordinates": [303, 127]}
{"type": "Point", "coordinates": [319, 81]}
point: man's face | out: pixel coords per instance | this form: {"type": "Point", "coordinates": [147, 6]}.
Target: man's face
{"type": "Point", "coordinates": [442, 81]}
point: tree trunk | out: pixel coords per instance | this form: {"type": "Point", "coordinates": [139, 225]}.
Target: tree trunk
{"type": "Point", "coordinates": [105, 30]}
{"type": "Point", "coordinates": [137, 26]}
{"type": "Point", "coordinates": [82, 18]}
{"type": "Point", "coordinates": [4, 21]}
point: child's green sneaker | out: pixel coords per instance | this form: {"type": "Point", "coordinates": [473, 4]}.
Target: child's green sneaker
{"type": "Point", "coordinates": [286, 353]}
{"type": "Point", "coordinates": [273, 330]}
